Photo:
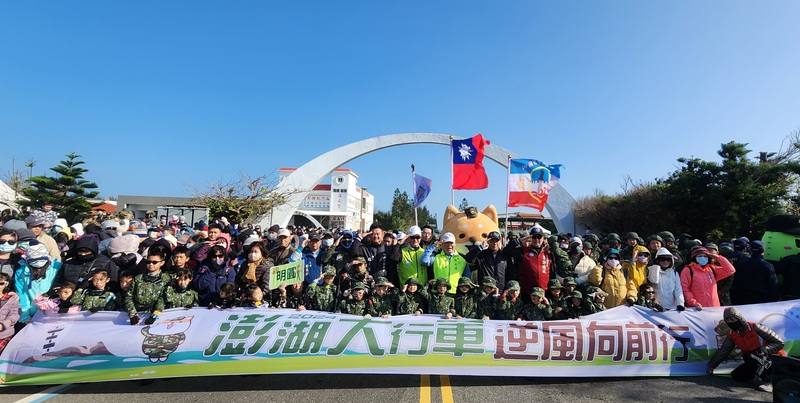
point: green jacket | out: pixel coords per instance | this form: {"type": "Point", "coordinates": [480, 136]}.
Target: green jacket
{"type": "Point", "coordinates": [487, 306]}
{"type": "Point", "coordinates": [145, 293]}
{"type": "Point", "coordinates": [507, 310]}
{"type": "Point", "coordinates": [321, 297]}
{"type": "Point", "coordinates": [441, 304]}
{"type": "Point", "coordinates": [408, 304]}
{"type": "Point", "coordinates": [94, 300]}
{"type": "Point", "coordinates": [466, 305]}
{"type": "Point", "coordinates": [353, 307]}
{"type": "Point", "coordinates": [536, 312]}
{"type": "Point", "coordinates": [174, 298]}
{"type": "Point", "coordinates": [382, 305]}
{"type": "Point", "coordinates": [411, 266]}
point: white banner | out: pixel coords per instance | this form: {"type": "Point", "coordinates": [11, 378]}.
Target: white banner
{"type": "Point", "coordinates": [624, 341]}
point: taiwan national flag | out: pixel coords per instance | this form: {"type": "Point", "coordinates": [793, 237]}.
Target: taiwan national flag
{"type": "Point", "coordinates": [530, 181]}
{"type": "Point", "coordinates": [468, 171]}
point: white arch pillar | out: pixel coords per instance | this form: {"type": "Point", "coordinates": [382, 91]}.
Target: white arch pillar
{"type": "Point", "coordinates": [303, 179]}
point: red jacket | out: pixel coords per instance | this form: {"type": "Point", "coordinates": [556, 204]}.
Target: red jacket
{"type": "Point", "coordinates": [534, 269]}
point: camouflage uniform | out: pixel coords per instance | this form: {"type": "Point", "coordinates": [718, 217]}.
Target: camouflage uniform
{"type": "Point", "coordinates": [91, 299]}
{"type": "Point", "coordinates": [321, 297]}
{"type": "Point", "coordinates": [408, 303]}
{"type": "Point", "coordinates": [487, 303]}
{"type": "Point", "coordinates": [573, 312]}
{"type": "Point", "coordinates": [533, 311]}
{"type": "Point", "coordinates": [466, 304]}
{"type": "Point", "coordinates": [379, 305]}
{"type": "Point", "coordinates": [176, 298]}
{"type": "Point", "coordinates": [590, 305]}
{"type": "Point", "coordinates": [649, 303]}
{"type": "Point", "coordinates": [507, 309]}
{"type": "Point", "coordinates": [158, 347]}
{"type": "Point", "coordinates": [145, 293]}
{"type": "Point", "coordinates": [351, 305]}
{"type": "Point", "coordinates": [440, 303]}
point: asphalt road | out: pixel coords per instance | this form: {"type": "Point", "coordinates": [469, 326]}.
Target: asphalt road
{"type": "Point", "coordinates": [394, 389]}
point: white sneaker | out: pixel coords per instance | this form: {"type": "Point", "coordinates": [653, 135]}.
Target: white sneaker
{"type": "Point", "coordinates": [765, 387]}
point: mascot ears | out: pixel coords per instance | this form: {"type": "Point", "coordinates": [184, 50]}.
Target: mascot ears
{"type": "Point", "coordinates": [490, 212]}
{"type": "Point", "coordinates": [452, 213]}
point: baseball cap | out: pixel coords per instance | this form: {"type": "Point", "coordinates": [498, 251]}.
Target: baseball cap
{"type": "Point", "coordinates": [448, 237]}
{"type": "Point", "coordinates": [414, 231]}
{"type": "Point", "coordinates": [284, 232]}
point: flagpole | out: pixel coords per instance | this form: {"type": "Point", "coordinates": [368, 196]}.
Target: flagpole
{"type": "Point", "coordinates": [414, 192]}
{"type": "Point", "coordinates": [452, 175]}
{"type": "Point", "coordinates": [508, 190]}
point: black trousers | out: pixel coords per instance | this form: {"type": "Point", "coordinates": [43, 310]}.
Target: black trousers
{"type": "Point", "coordinates": [747, 371]}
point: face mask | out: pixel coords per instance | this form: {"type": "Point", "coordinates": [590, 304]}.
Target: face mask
{"type": "Point", "coordinates": [23, 245]}
{"type": "Point", "coordinates": [7, 247]}
{"type": "Point", "coordinates": [38, 263]}
{"type": "Point", "coordinates": [612, 262]}
{"type": "Point", "coordinates": [219, 261]}
{"type": "Point", "coordinates": [253, 257]}
{"type": "Point", "coordinates": [702, 260]}
{"type": "Point", "coordinates": [564, 246]}
{"type": "Point", "coordinates": [86, 258]}
{"type": "Point", "coordinates": [642, 259]}
{"type": "Point", "coordinates": [665, 265]}
{"type": "Point", "coordinates": [328, 242]}
{"type": "Point", "coordinates": [272, 236]}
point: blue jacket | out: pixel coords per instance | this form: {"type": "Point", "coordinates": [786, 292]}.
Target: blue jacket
{"type": "Point", "coordinates": [207, 282]}
{"type": "Point", "coordinates": [29, 289]}
{"type": "Point", "coordinates": [312, 264]}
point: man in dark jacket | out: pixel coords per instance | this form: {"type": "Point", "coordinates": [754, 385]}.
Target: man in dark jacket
{"type": "Point", "coordinates": [493, 262]}
{"type": "Point", "coordinates": [755, 281]}
{"type": "Point", "coordinates": [373, 250]}
{"type": "Point", "coordinates": [84, 261]}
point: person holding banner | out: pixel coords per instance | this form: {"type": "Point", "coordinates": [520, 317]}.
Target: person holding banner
{"type": "Point", "coordinates": [667, 283]}
{"type": "Point", "coordinates": [356, 303]}
{"type": "Point", "coordinates": [699, 278]}
{"type": "Point", "coordinates": [757, 343]}
{"type": "Point", "coordinates": [145, 293]}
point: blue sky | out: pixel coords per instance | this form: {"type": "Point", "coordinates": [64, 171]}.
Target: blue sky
{"type": "Point", "coordinates": [164, 97]}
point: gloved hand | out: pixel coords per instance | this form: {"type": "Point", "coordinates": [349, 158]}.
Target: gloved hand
{"type": "Point", "coordinates": [150, 320]}
{"type": "Point", "coordinates": [628, 302]}
{"type": "Point", "coordinates": [135, 320]}
{"type": "Point", "coordinates": [680, 308]}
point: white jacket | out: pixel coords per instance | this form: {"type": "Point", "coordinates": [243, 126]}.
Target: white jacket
{"type": "Point", "coordinates": [667, 285]}
{"type": "Point", "coordinates": [582, 270]}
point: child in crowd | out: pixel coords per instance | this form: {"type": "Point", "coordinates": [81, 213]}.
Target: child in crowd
{"type": "Point", "coordinates": [58, 300]}
{"type": "Point", "coordinates": [96, 297]}
{"type": "Point", "coordinates": [178, 294]}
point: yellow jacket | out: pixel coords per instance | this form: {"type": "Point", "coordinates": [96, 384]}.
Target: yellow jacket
{"type": "Point", "coordinates": [614, 283]}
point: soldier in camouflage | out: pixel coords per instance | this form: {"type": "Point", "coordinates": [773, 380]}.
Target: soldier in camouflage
{"type": "Point", "coordinates": [146, 291]}
{"type": "Point", "coordinates": [383, 300]}
{"type": "Point", "coordinates": [467, 297]}
{"type": "Point", "coordinates": [356, 303]}
{"type": "Point", "coordinates": [510, 304]}
{"type": "Point", "coordinates": [538, 308]}
{"type": "Point", "coordinates": [413, 299]}
{"type": "Point", "coordinates": [96, 297]}
{"type": "Point", "coordinates": [322, 297]}
{"type": "Point", "coordinates": [595, 300]}
{"type": "Point", "coordinates": [438, 300]}
{"type": "Point", "coordinates": [576, 307]}
{"type": "Point", "coordinates": [179, 295]}
{"type": "Point", "coordinates": [488, 299]}
{"type": "Point", "coordinates": [647, 298]}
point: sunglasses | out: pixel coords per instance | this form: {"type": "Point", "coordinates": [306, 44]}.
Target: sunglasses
{"type": "Point", "coordinates": [154, 261]}
{"type": "Point", "coordinates": [649, 292]}
{"type": "Point", "coordinates": [7, 241]}
{"type": "Point", "coordinates": [219, 255]}
{"type": "Point", "coordinates": [537, 236]}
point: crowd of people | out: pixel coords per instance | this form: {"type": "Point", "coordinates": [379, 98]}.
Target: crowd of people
{"type": "Point", "coordinates": [143, 267]}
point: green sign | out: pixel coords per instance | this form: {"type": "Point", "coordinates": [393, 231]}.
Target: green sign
{"type": "Point", "coordinates": [286, 274]}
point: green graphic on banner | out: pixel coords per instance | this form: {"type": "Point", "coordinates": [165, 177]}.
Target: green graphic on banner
{"type": "Point", "coordinates": [286, 274]}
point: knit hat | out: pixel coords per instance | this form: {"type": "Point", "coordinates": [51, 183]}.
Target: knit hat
{"type": "Point", "coordinates": [24, 234]}
{"type": "Point", "coordinates": [699, 250]}
{"type": "Point", "coordinates": [37, 255]}
{"type": "Point", "coordinates": [124, 244]}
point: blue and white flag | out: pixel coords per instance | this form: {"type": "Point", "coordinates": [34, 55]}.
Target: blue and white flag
{"type": "Point", "coordinates": [422, 188]}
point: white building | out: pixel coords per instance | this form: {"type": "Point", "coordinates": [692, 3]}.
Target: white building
{"type": "Point", "coordinates": [338, 204]}
{"type": "Point", "coordinates": [9, 197]}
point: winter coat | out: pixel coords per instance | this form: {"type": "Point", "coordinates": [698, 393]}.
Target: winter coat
{"type": "Point", "coordinates": [312, 265]}
{"type": "Point", "coordinates": [699, 285]}
{"type": "Point", "coordinates": [261, 274]}
{"type": "Point", "coordinates": [534, 269]}
{"type": "Point", "coordinates": [582, 269]}
{"type": "Point", "coordinates": [755, 282]}
{"type": "Point", "coordinates": [210, 278]}
{"type": "Point", "coordinates": [667, 285]}
{"type": "Point", "coordinates": [613, 282]}
{"type": "Point", "coordinates": [490, 264]}
{"type": "Point", "coordinates": [28, 289]}
{"type": "Point", "coordinates": [145, 293]}
{"type": "Point", "coordinates": [80, 272]}
{"type": "Point", "coordinates": [635, 271]}
{"type": "Point", "coordinates": [9, 313]}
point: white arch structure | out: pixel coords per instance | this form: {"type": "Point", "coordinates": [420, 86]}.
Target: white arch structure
{"type": "Point", "coordinates": [300, 182]}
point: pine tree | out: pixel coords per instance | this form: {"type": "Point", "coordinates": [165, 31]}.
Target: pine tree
{"type": "Point", "coordinates": [69, 192]}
